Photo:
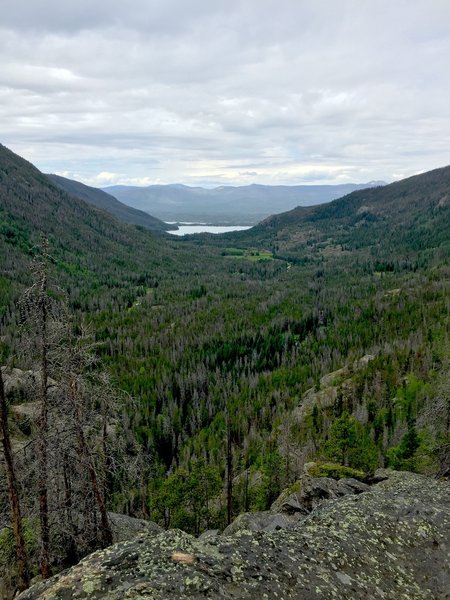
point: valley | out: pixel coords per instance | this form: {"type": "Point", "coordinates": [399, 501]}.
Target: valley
{"type": "Point", "coordinates": [320, 334]}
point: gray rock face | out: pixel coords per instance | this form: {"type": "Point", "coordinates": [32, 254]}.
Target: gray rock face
{"type": "Point", "coordinates": [391, 542]}
{"type": "Point", "coordinates": [20, 385]}
{"type": "Point", "coordinates": [16, 381]}
{"type": "Point", "coordinates": [208, 534]}
{"type": "Point", "coordinates": [126, 528]}
{"type": "Point", "coordinates": [261, 521]}
{"type": "Point", "coordinates": [293, 506]}
{"type": "Point", "coordinates": [317, 489]}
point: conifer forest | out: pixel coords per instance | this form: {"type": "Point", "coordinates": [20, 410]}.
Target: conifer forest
{"type": "Point", "coordinates": [186, 380]}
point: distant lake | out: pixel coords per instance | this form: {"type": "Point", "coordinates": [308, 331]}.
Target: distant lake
{"type": "Point", "coordinates": [186, 228]}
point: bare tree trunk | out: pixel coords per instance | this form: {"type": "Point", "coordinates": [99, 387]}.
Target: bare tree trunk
{"type": "Point", "coordinates": [106, 533]}
{"type": "Point", "coordinates": [229, 471]}
{"type": "Point", "coordinates": [246, 504]}
{"type": "Point", "coordinates": [106, 458]}
{"type": "Point", "coordinates": [43, 427]}
{"type": "Point", "coordinates": [71, 550]}
{"type": "Point", "coordinates": [36, 302]}
{"type": "Point", "coordinates": [14, 503]}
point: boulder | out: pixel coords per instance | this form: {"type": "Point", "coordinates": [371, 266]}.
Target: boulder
{"type": "Point", "coordinates": [295, 503]}
{"type": "Point", "coordinates": [351, 486]}
{"type": "Point", "coordinates": [389, 542]}
{"type": "Point", "coordinates": [22, 386]}
{"type": "Point", "coordinates": [311, 491]}
{"type": "Point", "coordinates": [126, 528]}
{"type": "Point", "coordinates": [261, 521]}
{"type": "Point", "coordinates": [208, 534]}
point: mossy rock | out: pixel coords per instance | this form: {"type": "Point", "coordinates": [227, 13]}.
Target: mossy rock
{"type": "Point", "coordinates": [335, 471]}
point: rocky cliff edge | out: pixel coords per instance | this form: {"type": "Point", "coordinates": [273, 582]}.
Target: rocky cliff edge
{"type": "Point", "coordinates": [391, 541]}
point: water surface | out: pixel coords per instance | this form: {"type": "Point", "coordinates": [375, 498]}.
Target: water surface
{"type": "Point", "coordinates": [186, 228]}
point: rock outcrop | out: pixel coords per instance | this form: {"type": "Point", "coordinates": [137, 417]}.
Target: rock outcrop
{"type": "Point", "coordinates": [391, 541]}
{"type": "Point", "coordinates": [126, 528]}
{"type": "Point", "coordinates": [20, 385]}
{"type": "Point", "coordinates": [295, 503]}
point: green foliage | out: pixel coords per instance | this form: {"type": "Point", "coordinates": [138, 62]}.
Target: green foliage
{"type": "Point", "coordinates": [189, 327]}
{"type": "Point", "coordinates": [14, 233]}
{"type": "Point", "coordinates": [250, 254]}
{"type": "Point", "coordinates": [404, 456]}
{"type": "Point", "coordinates": [8, 548]}
{"type": "Point", "coordinates": [184, 499]}
{"type": "Point", "coordinates": [335, 471]}
{"type": "Point", "coordinates": [409, 395]}
{"type": "Point", "coordinates": [349, 443]}
{"type": "Point", "coordinates": [269, 489]}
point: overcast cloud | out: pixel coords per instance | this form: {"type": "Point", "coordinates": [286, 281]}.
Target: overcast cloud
{"type": "Point", "coordinates": [226, 92]}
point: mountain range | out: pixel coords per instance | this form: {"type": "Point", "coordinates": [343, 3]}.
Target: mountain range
{"type": "Point", "coordinates": [101, 199]}
{"type": "Point", "coordinates": [411, 214]}
{"type": "Point", "coordinates": [242, 205]}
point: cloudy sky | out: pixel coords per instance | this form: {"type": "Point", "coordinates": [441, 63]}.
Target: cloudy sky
{"type": "Point", "coordinates": [226, 91]}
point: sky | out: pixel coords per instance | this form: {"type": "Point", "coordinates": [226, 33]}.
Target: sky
{"type": "Point", "coordinates": [233, 92]}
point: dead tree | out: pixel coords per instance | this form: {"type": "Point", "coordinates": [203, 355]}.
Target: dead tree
{"type": "Point", "coordinates": [229, 468]}
{"type": "Point", "coordinates": [85, 454]}
{"type": "Point", "coordinates": [36, 302]}
{"type": "Point", "coordinates": [23, 578]}
{"type": "Point", "coordinates": [75, 455]}
{"type": "Point", "coordinates": [75, 357]}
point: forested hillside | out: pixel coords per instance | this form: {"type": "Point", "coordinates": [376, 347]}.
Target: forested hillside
{"type": "Point", "coordinates": [404, 217]}
{"type": "Point", "coordinates": [98, 261]}
{"type": "Point", "coordinates": [101, 199]}
{"type": "Point", "coordinates": [321, 334]}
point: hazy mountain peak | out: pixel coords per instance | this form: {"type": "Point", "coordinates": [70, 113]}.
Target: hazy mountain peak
{"type": "Point", "coordinates": [101, 199]}
{"type": "Point", "coordinates": [245, 205]}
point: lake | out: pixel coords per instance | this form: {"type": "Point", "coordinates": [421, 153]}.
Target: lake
{"type": "Point", "coordinates": [187, 228]}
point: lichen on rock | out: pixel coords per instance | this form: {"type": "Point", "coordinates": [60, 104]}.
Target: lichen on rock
{"type": "Point", "coordinates": [389, 542]}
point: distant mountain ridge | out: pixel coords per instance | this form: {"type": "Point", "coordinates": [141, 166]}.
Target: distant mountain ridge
{"type": "Point", "coordinates": [244, 205]}
{"type": "Point", "coordinates": [406, 216]}
{"type": "Point", "coordinates": [105, 201]}
{"type": "Point", "coordinates": [401, 201]}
